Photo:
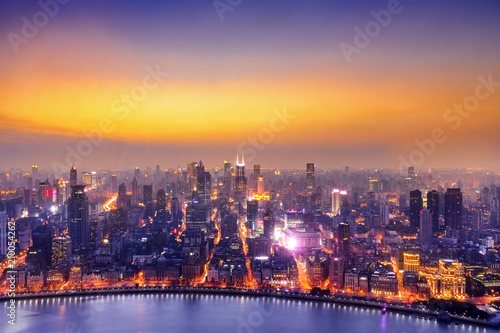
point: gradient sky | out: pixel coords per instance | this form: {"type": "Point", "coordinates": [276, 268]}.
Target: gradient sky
{"type": "Point", "coordinates": [227, 78]}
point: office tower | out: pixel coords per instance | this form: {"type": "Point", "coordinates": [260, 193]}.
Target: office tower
{"type": "Point", "coordinates": [137, 173]}
{"type": "Point", "coordinates": [240, 181]}
{"type": "Point", "coordinates": [34, 172]}
{"type": "Point", "coordinates": [337, 271]}
{"type": "Point", "coordinates": [310, 178]}
{"type": "Point", "coordinates": [260, 184]}
{"type": "Point", "coordinates": [433, 207]}
{"type": "Point", "coordinates": [268, 221]}
{"type": "Point", "coordinates": [335, 202]}
{"type": "Point", "coordinates": [61, 249]}
{"type": "Point", "coordinates": [411, 172]}
{"type": "Point", "coordinates": [227, 169]}
{"type": "Point", "coordinates": [252, 214]}
{"type": "Point", "coordinates": [147, 194]}
{"type": "Point", "coordinates": [147, 199]}
{"type": "Point", "coordinates": [4, 221]}
{"type": "Point", "coordinates": [78, 216]}
{"type": "Point", "coordinates": [192, 176]}
{"type": "Point", "coordinates": [416, 206]}
{"type": "Point", "coordinates": [73, 177]}
{"type": "Point", "coordinates": [122, 201]}
{"type": "Point", "coordinates": [135, 192]}
{"type": "Point", "coordinates": [203, 185]}
{"type": "Point", "coordinates": [426, 225]}
{"type": "Point", "coordinates": [256, 170]}
{"type": "Point", "coordinates": [87, 178]}
{"type": "Point", "coordinates": [176, 210]}
{"type": "Point", "coordinates": [39, 253]}
{"type": "Point", "coordinates": [453, 208]}
{"type": "Point", "coordinates": [161, 204]}
{"type": "Point", "coordinates": [343, 235]}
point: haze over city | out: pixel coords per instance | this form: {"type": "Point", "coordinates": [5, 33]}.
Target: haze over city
{"type": "Point", "coordinates": [228, 70]}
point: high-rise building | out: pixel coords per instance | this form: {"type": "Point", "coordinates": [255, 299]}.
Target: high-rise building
{"type": "Point", "coordinates": [310, 178]}
{"type": "Point", "coordinates": [87, 178]}
{"type": "Point", "coordinates": [453, 208]}
{"type": "Point", "coordinates": [135, 192]}
{"type": "Point", "coordinates": [192, 176]}
{"type": "Point", "coordinates": [268, 221]}
{"type": "Point", "coordinates": [344, 236]}
{"type": "Point", "coordinates": [336, 271]}
{"type": "Point", "coordinates": [34, 172]}
{"type": "Point", "coordinates": [335, 202]}
{"type": "Point", "coordinates": [411, 172]}
{"type": "Point", "coordinates": [252, 214]}
{"type": "Point", "coordinates": [4, 221]}
{"type": "Point", "coordinates": [73, 176]}
{"type": "Point", "coordinates": [416, 205]}
{"type": "Point", "coordinates": [61, 249]}
{"type": "Point", "coordinates": [122, 201]}
{"type": "Point", "coordinates": [256, 170]}
{"type": "Point", "coordinates": [161, 204]}
{"type": "Point", "coordinates": [426, 225]}
{"type": "Point", "coordinates": [78, 216]}
{"type": "Point", "coordinates": [433, 207]}
{"type": "Point", "coordinates": [240, 181]}
{"type": "Point", "coordinates": [203, 185]}
{"type": "Point", "coordinates": [113, 183]}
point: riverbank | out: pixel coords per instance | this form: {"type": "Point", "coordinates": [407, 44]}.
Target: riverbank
{"type": "Point", "coordinates": [336, 298]}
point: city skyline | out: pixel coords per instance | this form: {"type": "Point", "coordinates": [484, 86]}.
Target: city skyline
{"type": "Point", "coordinates": [215, 79]}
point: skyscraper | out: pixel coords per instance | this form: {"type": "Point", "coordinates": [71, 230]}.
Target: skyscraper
{"type": "Point", "coordinates": [161, 204]}
{"type": "Point", "coordinates": [203, 185]}
{"type": "Point", "coordinates": [122, 201]}
{"type": "Point", "coordinates": [416, 206]}
{"type": "Point", "coordinates": [73, 176]}
{"type": "Point", "coordinates": [335, 202]}
{"type": "Point", "coordinates": [34, 172]}
{"type": "Point", "coordinates": [344, 235]}
{"type": "Point", "coordinates": [268, 221]}
{"type": "Point", "coordinates": [453, 208]}
{"type": "Point", "coordinates": [78, 216]}
{"type": "Point", "coordinates": [310, 178]}
{"type": "Point", "coordinates": [135, 192]}
{"type": "Point", "coordinates": [252, 214]}
{"type": "Point", "coordinates": [147, 197]}
{"type": "Point", "coordinates": [433, 207]}
{"type": "Point", "coordinates": [426, 227]}
{"type": "Point", "coordinates": [240, 181]}
{"type": "Point", "coordinates": [256, 170]}
{"type": "Point", "coordinates": [411, 172]}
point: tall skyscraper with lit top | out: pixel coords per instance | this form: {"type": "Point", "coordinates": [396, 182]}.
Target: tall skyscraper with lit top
{"type": "Point", "coordinates": [79, 221]}
{"type": "Point", "coordinates": [240, 181]}
{"type": "Point", "coordinates": [73, 176]}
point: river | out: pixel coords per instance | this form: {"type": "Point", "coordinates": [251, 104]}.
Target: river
{"type": "Point", "coordinates": [146, 313]}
